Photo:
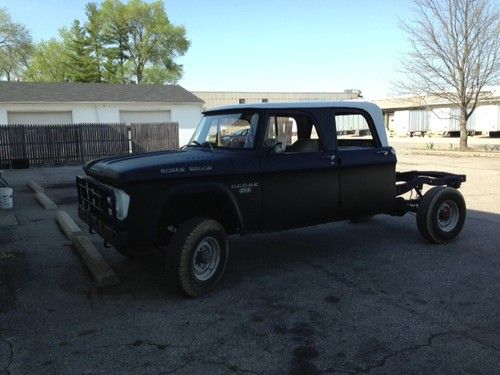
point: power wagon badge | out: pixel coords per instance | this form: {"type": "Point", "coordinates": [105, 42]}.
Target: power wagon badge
{"type": "Point", "coordinates": [201, 168]}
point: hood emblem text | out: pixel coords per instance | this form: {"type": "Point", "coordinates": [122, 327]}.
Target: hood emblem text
{"type": "Point", "coordinates": [198, 168]}
{"type": "Point", "coordinates": [173, 170]}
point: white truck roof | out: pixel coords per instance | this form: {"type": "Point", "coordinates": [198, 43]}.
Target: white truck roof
{"type": "Point", "coordinates": [372, 109]}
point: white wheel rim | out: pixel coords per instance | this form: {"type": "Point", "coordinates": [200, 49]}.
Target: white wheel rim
{"type": "Point", "coordinates": [448, 215]}
{"type": "Point", "coordinates": [206, 258]}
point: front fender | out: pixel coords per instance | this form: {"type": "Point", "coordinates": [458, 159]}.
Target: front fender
{"type": "Point", "coordinates": [179, 191]}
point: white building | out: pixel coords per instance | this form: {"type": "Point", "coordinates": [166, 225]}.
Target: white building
{"type": "Point", "coordinates": [74, 103]}
{"type": "Point", "coordinates": [223, 98]}
{"type": "Point", "coordinates": [411, 114]}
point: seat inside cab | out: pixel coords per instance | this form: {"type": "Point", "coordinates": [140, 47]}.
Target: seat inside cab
{"type": "Point", "coordinates": [293, 133]}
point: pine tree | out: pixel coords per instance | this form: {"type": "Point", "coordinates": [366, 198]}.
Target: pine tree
{"type": "Point", "coordinates": [95, 38]}
{"type": "Point", "coordinates": [82, 66]}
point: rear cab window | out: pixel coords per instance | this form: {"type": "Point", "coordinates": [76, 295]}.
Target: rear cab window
{"type": "Point", "coordinates": [355, 130]}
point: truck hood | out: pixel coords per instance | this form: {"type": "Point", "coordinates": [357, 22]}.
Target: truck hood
{"type": "Point", "coordinates": [159, 166]}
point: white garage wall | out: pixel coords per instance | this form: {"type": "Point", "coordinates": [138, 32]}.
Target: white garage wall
{"type": "Point", "coordinates": [188, 118]}
{"type": "Point", "coordinates": [85, 113]}
{"type": "Point", "coordinates": [107, 114]}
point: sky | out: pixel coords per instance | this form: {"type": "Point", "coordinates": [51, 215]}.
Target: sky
{"type": "Point", "coordinates": [267, 45]}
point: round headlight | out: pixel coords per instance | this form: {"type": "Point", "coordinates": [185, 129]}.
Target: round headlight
{"type": "Point", "coordinates": [122, 201]}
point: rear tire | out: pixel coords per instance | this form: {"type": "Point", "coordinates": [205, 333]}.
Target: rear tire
{"type": "Point", "coordinates": [441, 214]}
{"type": "Point", "coordinates": [197, 255]}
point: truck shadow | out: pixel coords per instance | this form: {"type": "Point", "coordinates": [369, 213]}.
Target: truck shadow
{"type": "Point", "coordinates": [343, 246]}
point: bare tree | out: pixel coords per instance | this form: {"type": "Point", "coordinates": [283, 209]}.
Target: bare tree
{"type": "Point", "coordinates": [454, 52]}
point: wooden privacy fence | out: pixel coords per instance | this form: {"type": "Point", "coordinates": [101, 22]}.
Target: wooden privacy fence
{"type": "Point", "coordinates": [149, 137]}
{"type": "Point", "coordinates": [78, 143]}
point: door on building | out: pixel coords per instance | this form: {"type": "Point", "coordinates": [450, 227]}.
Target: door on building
{"type": "Point", "coordinates": [138, 117]}
{"type": "Point", "coordinates": [40, 118]}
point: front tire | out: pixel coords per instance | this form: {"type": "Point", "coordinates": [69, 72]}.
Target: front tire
{"type": "Point", "coordinates": [197, 255]}
{"type": "Point", "coordinates": [441, 214]}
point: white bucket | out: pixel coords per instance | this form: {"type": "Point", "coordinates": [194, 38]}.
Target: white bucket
{"type": "Point", "coordinates": [5, 198]}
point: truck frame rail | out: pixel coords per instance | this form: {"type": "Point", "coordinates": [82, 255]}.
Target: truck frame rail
{"type": "Point", "coordinates": [407, 181]}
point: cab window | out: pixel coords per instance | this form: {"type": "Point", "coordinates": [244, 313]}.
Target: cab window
{"type": "Point", "coordinates": [353, 131]}
{"type": "Point", "coordinates": [228, 130]}
{"type": "Point", "coordinates": [292, 133]}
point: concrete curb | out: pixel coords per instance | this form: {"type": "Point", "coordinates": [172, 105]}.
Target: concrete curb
{"type": "Point", "coordinates": [462, 154]}
{"type": "Point", "coordinates": [100, 271]}
{"type": "Point", "coordinates": [45, 201]}
{"type": "Point", "coordinates": [35, 187]}
{"type": "Point", "coordinates": [69, 227]}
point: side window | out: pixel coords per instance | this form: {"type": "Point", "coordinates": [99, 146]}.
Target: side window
{"type": "Point", "coordinates": [280, 131]}
{"type": "Point", "coordinates": [353, 131]}
{"type": "Point", "coordinates": [292, 134]}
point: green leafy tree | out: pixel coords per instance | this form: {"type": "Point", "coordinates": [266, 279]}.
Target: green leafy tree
{"type": "Point", "coordinates": [116, 35]}
{"type": "Point", "coordinates": [82, 66]}
{"type": "Point", "coordinates": [158, 75]}
{"type": "Point", "coordinates": [118, 43]}
{"type": "Point", "coordinates": [49, 63]}
{"type": "Point", "coordinates": [15, 47]}
{"type": "Point", "coordinates": [143, 35]}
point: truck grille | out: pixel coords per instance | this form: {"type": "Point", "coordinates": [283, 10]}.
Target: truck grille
{"type": "Point", "coordinates": [96, 198]}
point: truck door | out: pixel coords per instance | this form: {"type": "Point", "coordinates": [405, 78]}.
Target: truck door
{"type": "Point", "coordinates": [300, 179]}
{"type": "Point", "coordinates": [366, 167]}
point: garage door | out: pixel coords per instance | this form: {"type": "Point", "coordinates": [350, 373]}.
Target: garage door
{"type": "Point", "coordinates": [40, 118]}
{"type": "Point", "coordinates": [137, 117]}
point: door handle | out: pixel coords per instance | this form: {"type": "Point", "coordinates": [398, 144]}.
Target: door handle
{"type": "Point", "coordinates": [385, 153]}
{"type": "Point", "coordinates": [331, 157]}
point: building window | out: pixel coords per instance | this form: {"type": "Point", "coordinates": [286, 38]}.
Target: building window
{"type": "Point", "coordinates": [265, 100]}
{"type": "Point", "coordinates": [242, 101]}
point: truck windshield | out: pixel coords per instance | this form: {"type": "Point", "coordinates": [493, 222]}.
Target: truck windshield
{"type": "Point", "coordinates": [230, 130]}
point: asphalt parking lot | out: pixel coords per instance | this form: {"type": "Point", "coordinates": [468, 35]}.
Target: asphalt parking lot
{"type": "Point", "coordinates": [336, 298]}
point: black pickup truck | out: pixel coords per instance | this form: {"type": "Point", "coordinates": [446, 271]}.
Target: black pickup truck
{"type": "Point", "coordinates": [298, 164]}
